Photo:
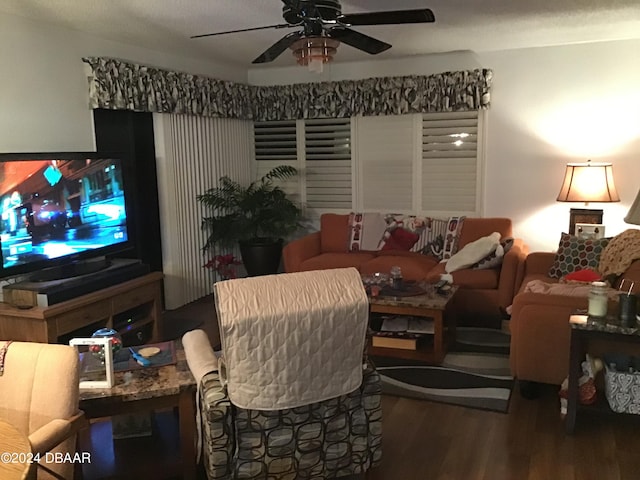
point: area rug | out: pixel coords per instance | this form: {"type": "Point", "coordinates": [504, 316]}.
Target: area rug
{"type": "Point", "coordinates": [475, 373]}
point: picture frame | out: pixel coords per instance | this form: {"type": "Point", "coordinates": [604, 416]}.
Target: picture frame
{"type": "Point", "coordinates": [96, 361]}
{"type": "Point", "coordinates": [585, 216]}
{"type": "Point", "coordinates": [587, 231]}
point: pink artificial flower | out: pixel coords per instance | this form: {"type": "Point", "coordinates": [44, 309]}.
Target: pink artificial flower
{"type": "Point", "coordinates": [224, 265]}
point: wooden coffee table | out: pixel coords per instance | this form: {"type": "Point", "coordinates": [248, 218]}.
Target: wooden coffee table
{"type": "Point", "coordinates": [148, 389]}
{"type": "Point", "coordinates": [430, 305]}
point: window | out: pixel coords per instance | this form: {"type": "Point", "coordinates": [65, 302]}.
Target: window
{"type": "Point", "coordinates": [327, 163]}
{"type": "Point", "coordinates": [276, 144]}
{"type": "Point", "coordinates": [385, 159]}
{"type": "Point", "coordinates": [449, 176]}
{"type": "Point", "coordinates": [422, 163]}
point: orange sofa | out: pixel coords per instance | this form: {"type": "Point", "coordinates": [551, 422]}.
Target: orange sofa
{"type": "Point", "coordinates": [482, 296]}
{"type": "Point", "coordinates": [540, 331]}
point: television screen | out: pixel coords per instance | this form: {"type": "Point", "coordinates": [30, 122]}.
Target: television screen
{"type": "Point", "coordinates": [64, 207]}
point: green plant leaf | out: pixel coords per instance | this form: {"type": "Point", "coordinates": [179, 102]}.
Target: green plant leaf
{"type": "Point", "coordinates": [260, 210]}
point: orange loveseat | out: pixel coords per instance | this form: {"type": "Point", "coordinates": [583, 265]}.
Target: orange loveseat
{"type": "Point", "coordinates": [540, 331]}
{"type": "Point", "coordinates": [482, 296]}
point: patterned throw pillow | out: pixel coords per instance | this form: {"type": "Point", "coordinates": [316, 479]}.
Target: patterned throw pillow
{"type": "Point", "coordinates": [452, 237]}
{"type": "Point", "coordinates": [576, 254]}
{"type": "Point", "coordinates": [434, 247]}
{"type": "Point", "coordinates": [440, 239]}
{"type": "Point", "coordinates": [494, 259]}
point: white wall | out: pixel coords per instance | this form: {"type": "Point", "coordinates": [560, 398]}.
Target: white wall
{"type": "Point", "coordinates": [43, 87]}
{"type": "Point", "coordinates": [549, 106]}
{"type": "Point", "coordinates": [556, 105]}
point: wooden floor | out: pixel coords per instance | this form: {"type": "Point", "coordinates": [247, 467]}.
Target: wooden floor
{"type": "Point", "coordinates": [421, 440]}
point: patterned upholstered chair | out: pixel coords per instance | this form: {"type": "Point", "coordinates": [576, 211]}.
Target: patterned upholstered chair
{"type": "Point", "coordinates": [292, 398]}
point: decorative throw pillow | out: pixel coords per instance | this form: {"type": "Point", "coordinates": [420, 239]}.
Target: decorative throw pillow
{"type": "Point", "coordinates": [586, 275]}
{"type": "Point", "coordinates": [576, 253]}
{"type": "Point", "coordinates": [400, 239]}
{"type": "Point", "coordinates": [434, 247]}
{"type": "Point", "coordinates": [473, 252]}
{"type": "Point", "coordinates": [452, 235]}
{"type": "Point", "coordinates": [366, 231]}
{"type": "Point", "coordinates": [402, 231]}
{"type": "Point", "coordinates": [494, 259]}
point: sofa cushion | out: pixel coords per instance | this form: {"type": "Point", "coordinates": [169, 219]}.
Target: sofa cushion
{"type": "Point", "coordinates": [414, 266]}
{"type": "Point", "coordinates": [468, 278]}
{"type": "Point", "coordinates": [336, 260]}
{"type": "Point", "coordinates": [334, 233]}
{"type": "Point", "coordinates": [576, 253]}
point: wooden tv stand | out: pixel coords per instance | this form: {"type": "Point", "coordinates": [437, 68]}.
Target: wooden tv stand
{"type": "Point", "coordinates": [135, 305]}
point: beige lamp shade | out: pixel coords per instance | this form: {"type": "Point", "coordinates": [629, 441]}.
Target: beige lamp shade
{"type": "Point", "coordinates": [588, 182]}
{"type": "Point", "coordinates": [633, 216]}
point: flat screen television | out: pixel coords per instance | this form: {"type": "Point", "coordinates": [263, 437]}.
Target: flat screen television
{"type": "Point", "coordinates": [62, 214]}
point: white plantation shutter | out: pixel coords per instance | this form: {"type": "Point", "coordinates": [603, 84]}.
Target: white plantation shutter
{"type": "Point", "coordinates": [386, 146]}
{"type": "Point", "coordinates": [426, 164]}
{"type": "Point", "coordinates": [450, 167]}
{"type": "Point", "coordinates": [276, 144]}
{"type": "Point", "coordinates": [327, 170]}
{"type": "Point", "coordinates": [275, 141]}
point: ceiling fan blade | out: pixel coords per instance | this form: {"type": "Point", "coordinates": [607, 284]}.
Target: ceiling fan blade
{"type": "Point", "coordinates": [393, 17]}
{"type": "Point", "coordinates": [281, 25]}
{"type": "Point", "coordinates": [359, 40]}
{"type": "Point", "coordinates": [277, 48]}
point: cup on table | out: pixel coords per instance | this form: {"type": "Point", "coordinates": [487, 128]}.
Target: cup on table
{"type": "Point", "coordinates": [627, 309]}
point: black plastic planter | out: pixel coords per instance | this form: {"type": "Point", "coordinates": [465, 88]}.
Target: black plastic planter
{"type": "Point", "coordinates": [261, 256]}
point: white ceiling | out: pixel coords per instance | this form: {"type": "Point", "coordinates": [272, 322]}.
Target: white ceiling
{"type": "Point", "coordinates": [475, 25]}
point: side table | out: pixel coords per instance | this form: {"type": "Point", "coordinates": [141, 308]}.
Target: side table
{"type": "Point", "coordinates": [585, 331]}
{"type": "Point", "coordinates": [148, 389]}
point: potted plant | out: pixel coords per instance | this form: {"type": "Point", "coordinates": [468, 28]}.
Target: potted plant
{"type": "Point", "coordinates": [257, 217]}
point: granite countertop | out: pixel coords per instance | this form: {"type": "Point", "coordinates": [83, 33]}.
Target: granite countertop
{"type": "Point", "coordinates": [429, 299]}
{"type": "Point", "coordinates": [610, 324]}
{"type": "Point", "coordinates": [148, 382]}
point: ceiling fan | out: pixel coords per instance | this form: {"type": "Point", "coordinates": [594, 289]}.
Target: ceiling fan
{"type": "Point", "coordinates": [323, 26]}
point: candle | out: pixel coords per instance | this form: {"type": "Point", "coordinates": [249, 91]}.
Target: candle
{"type": "Point", "coordinates": [598, 300]}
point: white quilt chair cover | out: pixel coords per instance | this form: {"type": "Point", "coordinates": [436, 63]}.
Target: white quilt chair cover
{"type": "Point", "coordinates": [292, 339]}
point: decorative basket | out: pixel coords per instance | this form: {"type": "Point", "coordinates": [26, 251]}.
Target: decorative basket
{"type": "Point", "coordinates": [622, 390]}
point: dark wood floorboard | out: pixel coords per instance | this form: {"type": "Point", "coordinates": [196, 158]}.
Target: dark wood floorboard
{"type": "Point", "coordinates": [421, 440]}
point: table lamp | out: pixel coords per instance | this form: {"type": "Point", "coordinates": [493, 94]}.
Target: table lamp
{"type": "Point", "coordinates": [587, 182]}
{"type": "Point", "coordinates": [633, 216]}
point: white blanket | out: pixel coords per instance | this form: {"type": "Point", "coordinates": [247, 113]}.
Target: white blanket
{"type": "Point", "coordinates": [292, 339]}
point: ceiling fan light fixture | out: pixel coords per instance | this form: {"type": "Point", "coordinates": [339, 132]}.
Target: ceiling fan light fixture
{"type": "Point", "coordinates": [314, 52]}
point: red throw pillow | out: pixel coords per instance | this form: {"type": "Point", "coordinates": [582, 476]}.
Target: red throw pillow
{"type": "Point", "coordinates": [400, 239]}
{"type": "Point", "coordinates": [586, 275]}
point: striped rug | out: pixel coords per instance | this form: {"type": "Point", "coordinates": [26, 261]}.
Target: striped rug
{"type": "Point", "coordinates": [474, 374]}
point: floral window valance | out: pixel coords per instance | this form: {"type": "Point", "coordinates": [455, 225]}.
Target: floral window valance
{"type": "Point", "coordinates": [119, 85]}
